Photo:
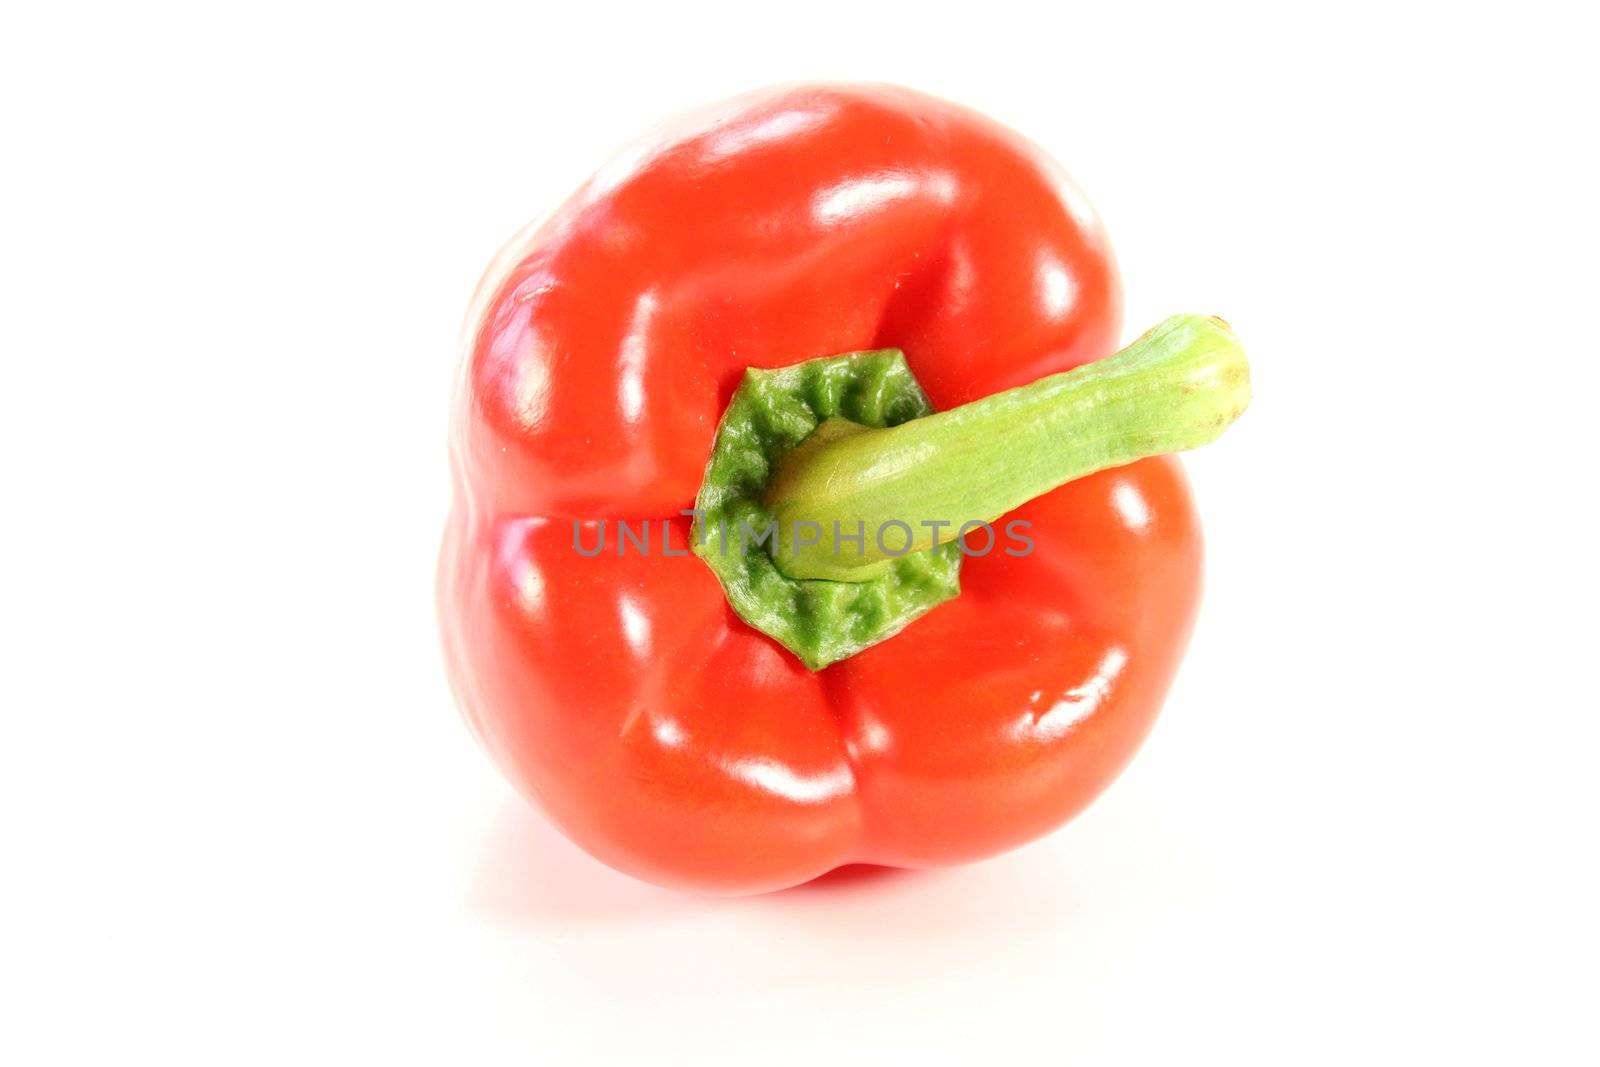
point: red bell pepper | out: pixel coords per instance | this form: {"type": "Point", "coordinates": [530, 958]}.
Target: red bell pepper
{"type": "Point", "coordinates": [624, 691]}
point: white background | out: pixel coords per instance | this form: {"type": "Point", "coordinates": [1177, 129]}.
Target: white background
{"type": "Point", "coordinates": [242, 823]}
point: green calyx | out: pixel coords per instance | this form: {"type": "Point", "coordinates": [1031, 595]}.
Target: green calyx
{"type": "Point", "coordinates": [735, 531]}
{"type": "Point", "coordinates": [835, 500]}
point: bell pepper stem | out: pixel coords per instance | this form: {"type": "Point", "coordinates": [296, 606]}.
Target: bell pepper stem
{"type": "Point", "coordinates": [850, 500]}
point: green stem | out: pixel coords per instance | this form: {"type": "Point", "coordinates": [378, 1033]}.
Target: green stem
{"type": "Point", "coordinates": [918, 483]}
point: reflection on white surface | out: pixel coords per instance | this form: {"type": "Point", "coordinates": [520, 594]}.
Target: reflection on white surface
{"type": "Point", "coordinates": [873, 738]}
{"type": "Point", "coordinates": [774, 777]}
{"type": "Point", "coordinates": [772, 128]}
{"type": "Point", "coordinates": [1077, 204]}
{"type": "Point", "coordinates": [1056, 288]}
{"type": "Point", "coordinates": [530, 587]}
{"type": "Point", "coordinates": [518, 353]}
{"type": "Point", "coordinates": [857, 196]}
{"type": "Point", "coordinates": [668, 732]}
{"type": "Point", "coordinates": [961, 277]}
{"type": "Point", "coordinates": [635, 626]}
{"type": "Point", "coordinates": [1132, 506]}
{"type": "Point", "coordinates": [531, 387]}
{"type": "Point", "coordinates": [849, 199]}
{"type": "Point", "coordinates": [527, 580]}
{"type": "Point", "coordinates": [630, 360]}
{"type": "Point", "coordinates": [1075, 705]}
{"type": "Point", "coordinates": [619, 168]}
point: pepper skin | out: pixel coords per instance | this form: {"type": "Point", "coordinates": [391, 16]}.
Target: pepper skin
{"type": "Point", "coordinates": [620, 692]}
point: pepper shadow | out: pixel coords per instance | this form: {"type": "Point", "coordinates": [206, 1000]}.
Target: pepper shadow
{"type": "Point", "coordinates": [528, 874]}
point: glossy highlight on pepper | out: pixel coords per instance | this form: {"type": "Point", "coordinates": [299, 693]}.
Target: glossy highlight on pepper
{"type": "Point", "coordinates": [621, 693]}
